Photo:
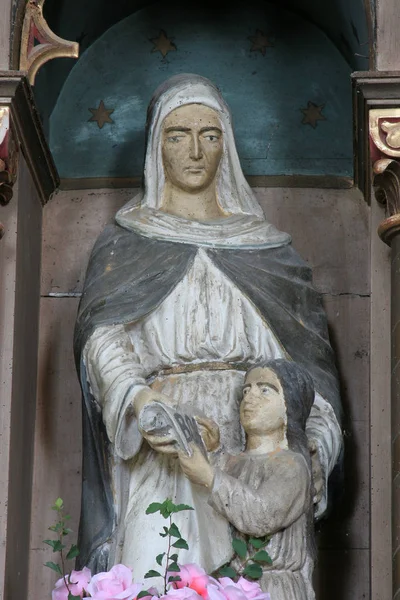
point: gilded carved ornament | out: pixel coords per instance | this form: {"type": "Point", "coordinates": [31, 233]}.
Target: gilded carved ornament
{"type": "Point", "coordinates": [384, 133]}
{"type": "Point", "coordinates": [39, 44]}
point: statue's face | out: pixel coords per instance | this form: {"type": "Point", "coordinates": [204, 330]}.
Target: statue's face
{"type": "Point", "coordinates": [263, 408]}
{"type": "Point", "coordinates": [192, 147]}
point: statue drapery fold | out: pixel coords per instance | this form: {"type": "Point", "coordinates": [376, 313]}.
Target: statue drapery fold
{"type": "Point", "coordinates": [128, 277]}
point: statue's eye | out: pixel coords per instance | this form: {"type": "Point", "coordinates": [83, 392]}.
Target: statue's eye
{"type": "Point", "coordinates": [246, 391]}
{"type": "Point", "coordinates": [174, 138]}
{"type": "Point", "coordinates": [265, 390]}
{"type": "Point", "coordinates": [212, 138]}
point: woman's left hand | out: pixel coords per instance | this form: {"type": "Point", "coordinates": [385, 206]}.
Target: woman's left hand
{"type": "Point", "coordinates": [196, 467]}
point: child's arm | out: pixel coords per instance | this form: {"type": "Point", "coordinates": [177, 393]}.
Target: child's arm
{"type": "Point", "coordinates": [277, 503]}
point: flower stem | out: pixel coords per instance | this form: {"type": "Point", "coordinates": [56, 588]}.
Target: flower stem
{"type": "Point", "coordinates": [60, 536]}
{"type": "Point", "coordinates": [167, 561]}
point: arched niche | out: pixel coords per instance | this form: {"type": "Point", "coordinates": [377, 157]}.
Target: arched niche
{"type": "Point", "coordinates": [287, 85]}
{"type": "Point", "coordinates": [340, 35]}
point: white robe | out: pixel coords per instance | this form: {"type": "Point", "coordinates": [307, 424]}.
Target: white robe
{"type": "Point", "coordinates": [270, 495]}
{"type": "Point", "coordinates": [206, 318]}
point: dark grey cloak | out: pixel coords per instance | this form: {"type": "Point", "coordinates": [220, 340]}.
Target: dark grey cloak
{"type": "Point", "coordinates": [128, 277]}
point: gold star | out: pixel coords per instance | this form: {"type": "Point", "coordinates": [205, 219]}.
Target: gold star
{"type": "Point", "coordinates": [312, 114]}
{"type": "Point", "coordinates": [260, 42]}
{"type": "Point", "coordinates": [163, 44]}
{"type": "Point", "coordinates": [101, 115]}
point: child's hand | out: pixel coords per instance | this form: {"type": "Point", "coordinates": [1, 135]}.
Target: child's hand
{"type": "Point", "coordinates": [196, 467]}
{"type": "Point", "coordinates": [209, 431]}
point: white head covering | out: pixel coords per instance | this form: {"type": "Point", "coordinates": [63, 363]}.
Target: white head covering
{"type": "Point", "coordinates": [245, 226]}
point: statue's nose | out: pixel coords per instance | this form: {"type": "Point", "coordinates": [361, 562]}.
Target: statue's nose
{"type": "Point", "coordinates": [196, 151]}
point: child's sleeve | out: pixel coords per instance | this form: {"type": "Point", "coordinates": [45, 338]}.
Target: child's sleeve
{"type": "Point", "coordinates": [281, 498]}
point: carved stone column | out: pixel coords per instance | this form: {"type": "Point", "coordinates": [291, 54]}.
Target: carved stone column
{"type": "Point", "coordinates": [377, 162]}
{"type": "Point", "coordinates": [384, 130]}
{"type": "Point", "coordinates": [387, 190]}
{"type": "Point", "coordinates": [27, 179]}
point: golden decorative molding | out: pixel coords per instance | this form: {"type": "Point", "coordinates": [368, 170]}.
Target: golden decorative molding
{"type": "Point", "coordinates": [50, 46]}
{"type": "Point", "coordinates": [387, 192]}
{"type": "Point", "coordinates": [384, 130]}
{"type": "Point", "coordinates": [25, 134]}
{"type": "Point", "coordinates": [384, 136]}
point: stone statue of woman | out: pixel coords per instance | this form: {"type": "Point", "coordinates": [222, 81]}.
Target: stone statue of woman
{"type": "Point", "coordinates": [186, 290]}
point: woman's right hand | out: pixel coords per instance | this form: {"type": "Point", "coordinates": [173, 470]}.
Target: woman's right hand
{"type": "Point", "coordinates": [164, 444]}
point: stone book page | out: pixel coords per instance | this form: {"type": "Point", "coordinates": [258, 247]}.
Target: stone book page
{"type": "Point", "coordinates": [159, 419]}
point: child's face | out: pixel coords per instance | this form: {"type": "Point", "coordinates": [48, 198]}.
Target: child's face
{"type": "Point", "coordinates": [263, 408]}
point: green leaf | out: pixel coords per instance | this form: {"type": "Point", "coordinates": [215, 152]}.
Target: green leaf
{"type": "Point", "coordinates": [262, 557]}
{"type": "Point", "coordinates": [253, 571]}
{"type": "Point", "coordinates": [173, 557]}
{"type": "Point", "coordinates": [165, 512]}
{"type": "Point", "coordinates": [57, 528]}
{"type": "Point", "coordinates": [239, 547]}
{"type": "Point", "coordinates": [174, 531]}
{"type": "Point", "coordinates": [58, 504]}
{"type": "Point", "coordinates": [159, 558]}
{"type": "Point", "coordinates": [165, 532]}
{"type": "Point", "coordinates": [181, 543]}
{"type": "Point", "coordinates": [72, 597]}
{"type": "Point", "coordinates": [54, 567]}
{"type": "Point", "coordinates": [174, 567]}
{"type": "Point", "coordinates": [180, 507]}
{"type": "Point", "coordinates": [152, 573]}
{"type": "Point", "coordinates": [153, 508]}
{"type": "Point", "coordinates": [169, 505]}
{"type": "Point", "coordinates": [227, 572]}
{"type": "Point", "coordinates": [55, 544]}
{"type": "Point", "coordinates": [143, 594]}
{"type": "Point", "coordinates": [174, 578]}
{"type": "Point", "coordinates": [66, 531]}
{"type": "Point", "coordinates": [257, 542]}
{"type": "Point", "coordinates": [73, 552]}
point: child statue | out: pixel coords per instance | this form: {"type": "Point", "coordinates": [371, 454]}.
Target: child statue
{"type": "Point", "coordinates": [267, 489]}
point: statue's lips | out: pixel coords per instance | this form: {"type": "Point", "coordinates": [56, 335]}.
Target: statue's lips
{"type": "Point", "coordinates": [194, 170]}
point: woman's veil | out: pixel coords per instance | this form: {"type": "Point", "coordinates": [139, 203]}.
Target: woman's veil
{"type": "Point", "coordinates": [244, 224]}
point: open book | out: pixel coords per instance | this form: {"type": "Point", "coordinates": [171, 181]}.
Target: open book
{"type": "Point", "coordinates": [159, 419]}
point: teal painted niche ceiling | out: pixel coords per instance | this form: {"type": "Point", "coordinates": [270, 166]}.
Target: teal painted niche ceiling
{"type": "Point", "coordinates": [287, 84]}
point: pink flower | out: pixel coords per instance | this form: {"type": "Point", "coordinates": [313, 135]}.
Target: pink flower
{"type": "Point", "coordinates": [232, 591]}
{"type": "Point", "coordinates": [79, 583]}
{"type": "Point", "coordinates": [215, 592]}
{"type": "Point", "coordinates": [115, 584]}
{"type": "Point", "coordinates": [240, 590]}
{"type": "Point", "coordinates": [252, 589]}
{"type": "Point", "coordinates": [184, 593]}
{"type": "Point", "coordinates": [192, 576]}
